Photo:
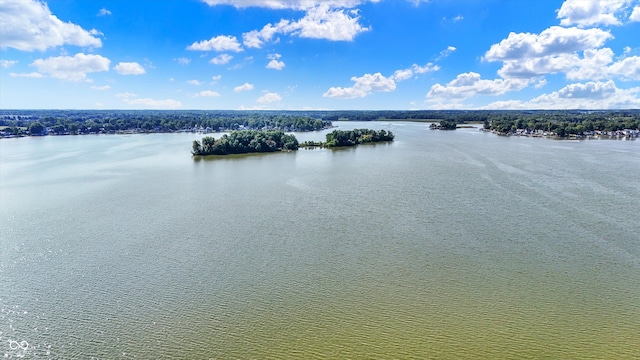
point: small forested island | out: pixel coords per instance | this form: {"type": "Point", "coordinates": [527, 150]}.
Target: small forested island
{"type": "Point", "coordinates": [444, 125]}
{"type": "Point", "coordinates": [244, 142]}
{"type": "Point", "coordinates": [261, 141]}
{"type": "Point", "coordinates": [342, 138]}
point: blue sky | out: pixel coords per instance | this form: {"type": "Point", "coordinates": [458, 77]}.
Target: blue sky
{"type": "Point", "coordinates": [311, 54]}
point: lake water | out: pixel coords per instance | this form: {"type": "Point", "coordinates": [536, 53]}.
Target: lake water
{"type": "Point", "coordinates": [444, 245]}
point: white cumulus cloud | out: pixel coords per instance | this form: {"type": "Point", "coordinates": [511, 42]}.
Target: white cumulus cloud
{"type": "Point", "coordinates": [470, 84]}
{"type": "Point", "coordinates": [590, 90]}
{"type": "Point", "coordinates": [554, 50]}
{"type": "Point", "coordinates": [29, 25]}
{"type": "Point", "coordinates": [377, 82]}
{"type": "Point", "coordinates": [255, 38]}
{"type": "Point", "coordinates": [217, 43]}
{"type": "Point", "coordinates": [72, 68]}
{"type": "Point", "coordinates": [627, 68]}
{"type": "Point", "coordinates": [269, 97]}
{"type": "Point", "coordinates": [592, 66]}
{"type": "Point", "coordinates": [363, 86]}
{"type": "Point", "coordinates": [275, 63]}
{"type": "Point", "coordinates": [635, 15]}
{"type": "Point", "coordinates": [207, 93]}
{"type": "Point", "coordinates": [321, 21]}
{"type": "Point", "coordinates": [404, 74]}
{"type": "Point", "coordinates": [552, 41]}
{"type": "Point", "coordinates": [590, 95]}
{"type": "Point", "coordinates": [243, 87]}
{"type": "Point", "coordinates": [536, 66]}
{"type": "Point", "coordinates": [221, 59]}
{"type": "Point", "coordinates": [129, 68]}
{"type": "Point", "coordinates": [424, 69]}
{"type": "Point", "coordinates": [591, 12]}
{"type": "Point", "coordinates": [194, 82]}
{"type": "Point", "coordinates": [7, 63]}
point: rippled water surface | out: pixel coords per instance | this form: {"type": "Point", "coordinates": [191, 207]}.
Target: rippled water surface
{"type": "Point", "coordinates": [439, 245]}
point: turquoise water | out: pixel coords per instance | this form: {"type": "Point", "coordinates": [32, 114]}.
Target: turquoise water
{"type": "Point", "coordinates": [439, 245]}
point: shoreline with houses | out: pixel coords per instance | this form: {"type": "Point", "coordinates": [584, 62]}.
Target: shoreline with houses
{"type": "Point", "coordinates": [625, 134]}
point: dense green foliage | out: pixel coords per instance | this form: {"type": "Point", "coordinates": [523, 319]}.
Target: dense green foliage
{"type": "Point", "coordinates": [13, 131]}
{"type": "Point", "coordinates": [358, 136]}
{"type": "Point", "coordinates": [339, 138]}
{"type": "Point", "coordinates": [256, 141]}
{"type": "Point", "coordinates": [558, 122]}
{"type": "Point", "coordinates": [444, 125]}
{"type": "Point", "coordinates": [35, 128]}
{"type": "Point", "coordinates": [93, 122]}
{"type": "Point", "coordinates": [479, 116]}
{"type": "Point", "coordinates": [245, 141]}
{"type": "Point", "coordinates": [562, 124]}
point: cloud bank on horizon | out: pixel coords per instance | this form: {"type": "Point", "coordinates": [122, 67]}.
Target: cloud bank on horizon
{"type": "Point", "coordinates": [320, 54]}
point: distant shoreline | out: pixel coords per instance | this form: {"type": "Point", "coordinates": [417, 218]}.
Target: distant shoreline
{"type": "Point", "coordinates": [595, 135]}
{"type": "Point", "coordinates": [561, 124]}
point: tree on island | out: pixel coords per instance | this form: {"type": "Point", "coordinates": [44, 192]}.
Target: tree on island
{"type": "Point", "coordinates": [444, 125]}
{"type": "Point", "coordinates": [341, 138]}
{"type": "Point", "coordinates": [258, 141]}
{"type": "Point", "coordinates": [245, 141]}
{"type": "Point", "coordinates": [36, 128]}
{"type": "Point", "coordinates": [338, 138]}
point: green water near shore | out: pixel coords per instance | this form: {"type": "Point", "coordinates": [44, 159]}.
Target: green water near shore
{"type": "Point", "coordinates": [439, 245]}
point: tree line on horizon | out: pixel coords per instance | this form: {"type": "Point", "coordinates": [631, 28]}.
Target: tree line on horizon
{"type": "Point", "coordinates": [560, 122]}
{"type": "Point", "coordinates": [562, 126]}
{"type": "Point", "coordinates": [87, 122]}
